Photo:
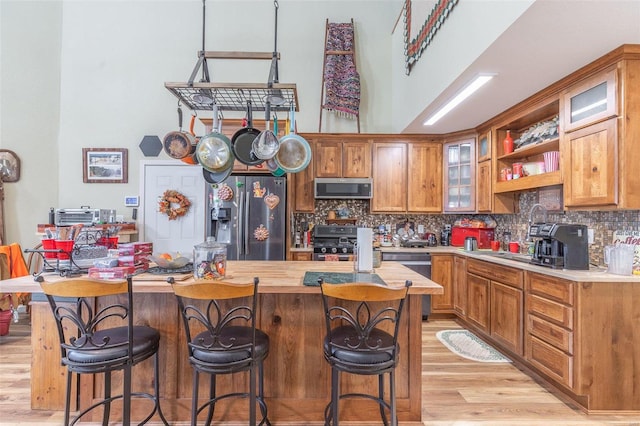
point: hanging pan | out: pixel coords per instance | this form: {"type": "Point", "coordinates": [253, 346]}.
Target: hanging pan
{"type": "Point", "coordinates": [214, 149]}
{"type": "Point", "coordinates": [178, 144]}
{"type": "Point", "coordinates": [242, 141]}
{"type": "Point", "coordinates": [191, 157]}
{"type": "Point", "coordinates": [266, 145]}
{"type": "Point", "coordinates": [271, 163]}
{"type": "Point", "coordinates": [294, 154]}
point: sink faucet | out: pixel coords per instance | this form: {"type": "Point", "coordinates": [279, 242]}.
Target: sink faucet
{"type": "Point", "coordinates": [533, 210]}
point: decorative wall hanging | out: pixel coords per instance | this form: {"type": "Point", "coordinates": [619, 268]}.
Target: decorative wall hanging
{"type": "Point", "coordinates": [9, 166]}
{"type": "Point", "coordinates": [104, 165]}
{"type": "Point", "coordinates": [413, 48]}
{"type": "Point", "coordinates": [168, 202]}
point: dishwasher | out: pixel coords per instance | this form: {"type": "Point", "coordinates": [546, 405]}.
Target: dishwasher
{"type": "Point", "coordinates": [419, 262]}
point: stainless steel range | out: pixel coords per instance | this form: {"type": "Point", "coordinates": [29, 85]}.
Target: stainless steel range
{"type": "Point", "coordinates": [335, 241]}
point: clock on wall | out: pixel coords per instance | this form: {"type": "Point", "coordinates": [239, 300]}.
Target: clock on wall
{"type": "Point", "coordinates": [9, 166]}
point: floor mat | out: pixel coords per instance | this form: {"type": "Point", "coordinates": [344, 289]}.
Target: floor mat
{"type": "Point", "coordinates": [467, 345]}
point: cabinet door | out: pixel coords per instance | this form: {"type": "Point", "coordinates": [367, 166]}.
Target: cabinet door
{"type": "Point", "coordinates": [478, 302]}
{"type": "Point", "coordinates": [442, 273]}
{"type": "Point", "coordinates": [328, 160]}
{"type": "Point", "coordinates": [424, 188]}
{"type": "Point", "coordinates": [390, 170]}
{"type": "Point", "coordinates": [590, 166]}
{"type": "Point", "coordinates": [484, 194]}
{"type": "Point", "coordinates": [303, 191]}
{"type": "Point", "coordinates": [356, 159]}
{"type": "Point", "coordinates": [506, 316]}
{"type": "Point", "coordinates": [591, 101]}
{"type": "Point", "coordinates": [460, 285]}
{"type": "Point", "coordinates": [301, 255]}
{"type": "Point", "coordinates": [459, 179]}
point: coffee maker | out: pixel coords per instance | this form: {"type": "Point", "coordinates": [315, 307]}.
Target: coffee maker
{"type": "Point", "coordinates": [560, 245]}
{"type": "Point", "coordinates": [445, 235]}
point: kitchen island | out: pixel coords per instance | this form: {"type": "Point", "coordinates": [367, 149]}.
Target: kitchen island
{"type": "Point", "coordinates": [297, 378]}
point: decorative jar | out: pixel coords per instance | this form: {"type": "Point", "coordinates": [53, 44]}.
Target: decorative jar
{"type": "Point", "coordinates": [209, 260]}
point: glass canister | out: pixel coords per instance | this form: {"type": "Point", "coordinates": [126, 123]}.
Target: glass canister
{"type": "Point", "coordinates": [209, 260]}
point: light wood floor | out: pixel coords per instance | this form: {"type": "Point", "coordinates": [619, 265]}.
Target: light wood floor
{"type": "Point", "coordinates": [456, 391]}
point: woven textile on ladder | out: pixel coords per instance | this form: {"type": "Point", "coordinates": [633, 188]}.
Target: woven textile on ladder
{"type": "Point", "coordinates": [341, 77]}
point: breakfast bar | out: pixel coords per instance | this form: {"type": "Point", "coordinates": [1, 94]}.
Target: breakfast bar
{"type": "Point", "coordinates": [297, 378]}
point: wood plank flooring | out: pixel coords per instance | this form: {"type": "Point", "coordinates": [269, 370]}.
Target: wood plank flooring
{"type": "Point", "coordinates": [456, 391]}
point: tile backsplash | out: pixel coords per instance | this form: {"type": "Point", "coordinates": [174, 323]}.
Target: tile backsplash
{"type": "Point", "coordinates": [604, 223]}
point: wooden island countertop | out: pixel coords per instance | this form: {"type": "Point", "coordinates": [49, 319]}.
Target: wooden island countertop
{"type": "Point", "coordinates": [289, 312]}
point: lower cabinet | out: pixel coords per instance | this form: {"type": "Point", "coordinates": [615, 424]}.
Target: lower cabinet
{"type": "Point", "coordinates": [442, 273]}
{"type": "Point", "coordinates": [301, 255]}
{"type": "Point", "coordinates": [495, 303]}
{"type": "Point", "coordinates": [460, 285]}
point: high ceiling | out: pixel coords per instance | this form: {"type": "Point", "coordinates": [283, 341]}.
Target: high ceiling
{"type": "Point", "coordinates": [550, 40]}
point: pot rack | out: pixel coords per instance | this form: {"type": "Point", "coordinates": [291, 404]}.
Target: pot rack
{"type": "Point", "coordinates": [200, 96]}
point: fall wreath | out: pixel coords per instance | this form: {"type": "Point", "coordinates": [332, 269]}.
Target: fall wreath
{"type": "Point", "coordinates": [169, 199]}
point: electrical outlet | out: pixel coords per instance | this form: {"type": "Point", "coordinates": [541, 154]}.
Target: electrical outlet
{"type": "Point", "coordinates": [590, 236]}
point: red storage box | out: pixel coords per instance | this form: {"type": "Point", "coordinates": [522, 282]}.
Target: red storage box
{"type": "Point", "coordinates": [483, 235]}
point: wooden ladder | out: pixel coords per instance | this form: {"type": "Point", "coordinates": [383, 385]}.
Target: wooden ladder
{"type": "Point", "coordinates": [328, 53]}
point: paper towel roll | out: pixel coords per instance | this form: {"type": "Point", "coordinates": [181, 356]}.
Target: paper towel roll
{"type": "Point", "coordinates": [364, 259]}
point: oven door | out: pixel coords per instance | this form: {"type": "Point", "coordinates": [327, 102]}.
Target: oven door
{"type": "Point", "coordinates": [342, 257]}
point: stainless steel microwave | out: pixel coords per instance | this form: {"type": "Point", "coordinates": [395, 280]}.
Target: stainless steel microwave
{"type": "Point", "coordinates": [337, 188]}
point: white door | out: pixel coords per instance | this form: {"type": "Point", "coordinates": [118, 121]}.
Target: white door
{"type": "Point", "coordinates": [182, 233]}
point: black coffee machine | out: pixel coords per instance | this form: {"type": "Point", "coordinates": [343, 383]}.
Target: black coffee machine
{"type": "Point", "coordinates": [445, 236]}
{"type": "Point", "coordinates": [560, 245]}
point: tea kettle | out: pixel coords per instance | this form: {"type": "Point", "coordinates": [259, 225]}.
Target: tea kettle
{"type": "Point", "coordinates": [470, 244]}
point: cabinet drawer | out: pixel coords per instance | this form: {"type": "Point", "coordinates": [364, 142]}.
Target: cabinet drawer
{"type": "Point", "coordinates": [551, 288]}
{"type": "Point", "coordinates": [551, 361]}
{"type": "Point", "coordinates": [550, 333]}
{"type": "Point", "coordinates": [503, 274]}
{"type": "Point", "coordinates": [550, 310]}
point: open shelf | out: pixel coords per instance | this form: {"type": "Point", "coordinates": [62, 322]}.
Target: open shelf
{"type": "Point", "coordinates": [528, 182]}
{"type": "Point", "coordinates": [533, 149]}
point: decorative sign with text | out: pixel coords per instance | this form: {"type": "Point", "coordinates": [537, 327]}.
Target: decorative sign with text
{"type": "Point", "coordinates": [630, 237]}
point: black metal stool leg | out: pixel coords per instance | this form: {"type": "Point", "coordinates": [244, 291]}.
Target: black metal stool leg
{"type": "Point", "coordinates": [67, 403]}
{"type": "Point", "coordinates": [156, 388]}
{"type": "Point", "coordinates": [212, 397]}
{"type": "Point", "coordinates": [392, 396]}
{"type": "Point", "coordinates": [335, 395]}
{"type": "Point", "coordinates": [126, 397]}
{"type": "Point", "coordinates": [194, 398]}
{"type": "Point", "coordinates": [381, 399]}
{"type": "Point", "coordinates": [107, 398]}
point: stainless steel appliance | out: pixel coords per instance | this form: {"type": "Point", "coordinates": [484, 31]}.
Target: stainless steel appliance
{"type": "Point", "coordinates": [85, 216]}
{"type": "Point", "coordinates": [419, 262]}
{"type": "Point", "coordinates": [248, 213]}
{"type": "Point", "coordinates": [338, 241]}
{"type": "Point", "coordinates": [560, 245]}
{"type": "Point", "coordinates": [338, 188]}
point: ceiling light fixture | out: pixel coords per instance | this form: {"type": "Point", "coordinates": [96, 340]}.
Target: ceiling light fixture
{"type": "Point", "coordinates": [469, 89]}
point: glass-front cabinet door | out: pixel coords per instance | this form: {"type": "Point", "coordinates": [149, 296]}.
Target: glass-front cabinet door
{"type": "Point", "coordinates": [459, 167]}
{"type": "Point", "coordinates": [591, 101]}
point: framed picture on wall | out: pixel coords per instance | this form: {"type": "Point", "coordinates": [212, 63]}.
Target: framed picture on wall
{"type": "Point", "coordinates": [104, 165]}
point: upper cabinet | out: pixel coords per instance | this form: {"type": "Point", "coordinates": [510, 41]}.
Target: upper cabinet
{"type": "Point", "coordinates": [459, 175]}
{"type": "Point", "coordinates": [336, 158]}
{"type": "Point", "coordinates": [484, 193]}
{"type": "Point", "coordinates": [599, 142]}
{"type": "Point", "coordinates": [408, 176]}
{"type": "Point", "coordinates": [590, 101]}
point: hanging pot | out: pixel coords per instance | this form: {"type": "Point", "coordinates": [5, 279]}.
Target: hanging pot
{"type": "Point", "coordinates": [217, 177]}
{"type": "Point", "coordinates": [294, 154]}
{"type": "Point", "coordinates": [242, 141]}
{"type": "Point", "coordinates": [266, 145]}
{"type": "Point", "coordinates": [214, 149]}
{"type": "Point", "coordinates": [191, 158]}
{"type": "Point", "coordinates": [272, 166]}
{"type": "Point", "coordinates": [178, 144]}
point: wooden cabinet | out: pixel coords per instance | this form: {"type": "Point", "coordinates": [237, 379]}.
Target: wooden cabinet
{"type": "Point", "coordinates": [424, 177]}
{"type": "Point", "coordinates": [390, 182]}
{"type": "Point", "coordinates": [460, 285]}
{"type": "Point", "coordinates": [495, 303]}
{"type": "Point", "coordinates": [442, 273]}
{"type": "Point", "coordinates": [407, 176]}
{"type": "Point", "coordinates": [303, 192]}
{"type": "Point", "coordinates": [301, 255]}
{"type": "Point", "coordinates": [334, 158]}
{"type": "Point", "coordinates": [478, 302]}
{"type": "Point", "coordinates": [599, 144]}
{"type": "Point", "coordinates": [484, 193]}
{"type": "Point", "coordinates": [591, 166]}
{"type": "Point", "coordinates": [550, 326]}
{"type": "Point", "coordinates": [459, 176]}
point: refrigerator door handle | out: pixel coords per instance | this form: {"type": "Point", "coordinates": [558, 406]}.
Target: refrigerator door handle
{"type": "Point", "coordinates": [246, 225]}
{"type": "Point", "coordinates": [240, 229]}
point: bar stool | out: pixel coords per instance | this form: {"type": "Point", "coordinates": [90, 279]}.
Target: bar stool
{"type": "Point", "coordinates": [230, 341]}
{"type": "Point", "coordinates": [101, 339]}
{"type": "Point", "coordinates": [362, 338]}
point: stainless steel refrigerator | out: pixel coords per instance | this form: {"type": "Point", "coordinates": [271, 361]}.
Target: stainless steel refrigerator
{"type": "Point", "coordinates": [248, 213]}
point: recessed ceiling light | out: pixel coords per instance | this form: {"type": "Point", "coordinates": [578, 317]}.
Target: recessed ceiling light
{"type": "Point", "coordinates": [469, 89]}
